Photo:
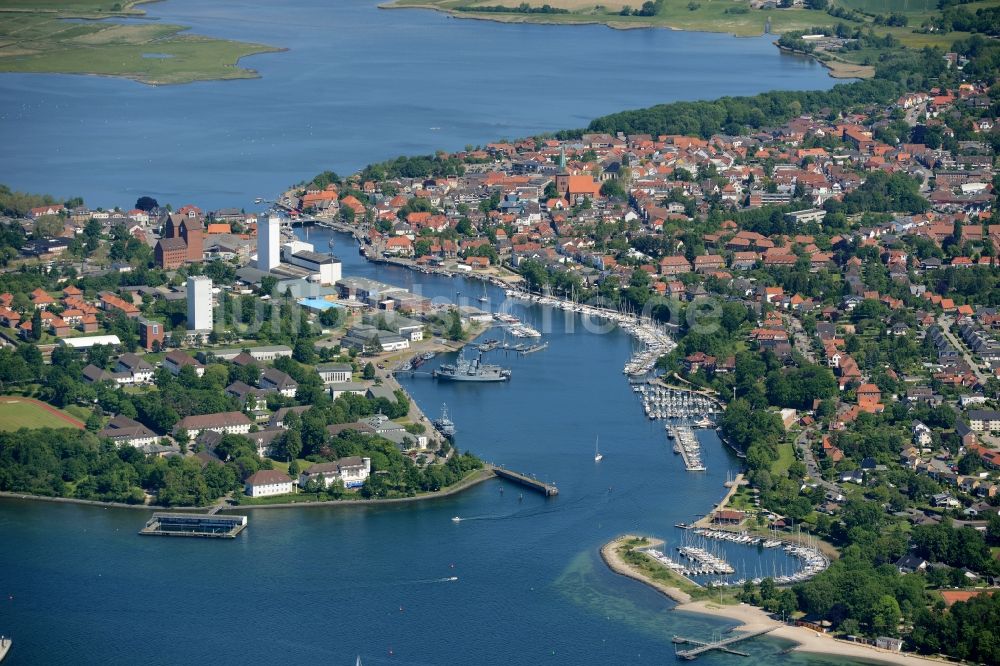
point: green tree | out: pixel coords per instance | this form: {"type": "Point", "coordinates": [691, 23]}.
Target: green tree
{"type": "Point", "coordinates": [267, 284]}
{"type": "Point", "coordinates": [291, 444]}
{"type": "Point", "coordinates": [304, 352]}
{"type": "Point", "coordinates": [36, 324]}
{"type": "Point", "coordinates": [886, 616]}
{"type": "Point", "coordinates": [455, 326]}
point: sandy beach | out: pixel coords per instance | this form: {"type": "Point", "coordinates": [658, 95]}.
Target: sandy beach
{"type": "Point", "coordinates": [609, 553]}
{"type": "Point", "coordinates": [751, 618]}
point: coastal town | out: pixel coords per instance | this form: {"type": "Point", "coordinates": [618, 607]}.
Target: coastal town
{"type": "Point", "coordinates": [822, 290]}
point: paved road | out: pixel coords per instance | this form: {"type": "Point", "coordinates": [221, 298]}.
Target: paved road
{"type": "Point", "coordinates": [812, 467]}
{"type": "Point", "coordinates": [945, 323]}
{"type": "Point", "coordinates": [800, 339]}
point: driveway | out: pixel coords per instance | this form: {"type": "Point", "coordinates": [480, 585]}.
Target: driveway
{"type": "Point", "coordinates": [945, 324]}
{"type": "Point", "coordinates": [812, 467]}
{"type": "Point", "coordinates": [799, 338]}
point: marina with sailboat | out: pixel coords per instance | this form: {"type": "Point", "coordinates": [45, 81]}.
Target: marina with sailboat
{"type": "Point", "coordinates": [708, 558]}
{"type": "Point", "coordinates": [689, 448]}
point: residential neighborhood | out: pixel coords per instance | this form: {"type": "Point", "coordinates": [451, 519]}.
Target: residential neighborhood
{"type": "Point", "coordinates": [829, 282]}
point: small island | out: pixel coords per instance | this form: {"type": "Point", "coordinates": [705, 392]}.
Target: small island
{"type": "Point", "coordinates": [89, 37]}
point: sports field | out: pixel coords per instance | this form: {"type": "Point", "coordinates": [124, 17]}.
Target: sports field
{"type": "Point", "coordinates": [17, 412]}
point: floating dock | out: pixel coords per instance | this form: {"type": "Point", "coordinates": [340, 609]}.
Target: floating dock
{"type": "Point", "coordinates": [194, 525]}
{"type": "Point", "coordinates": [686, 444]}
{"type": "Point", "coordinates": [702, 647]}
{"type": "Point", "coordinates": [705, 562]}
{"type": "Point", "coordinates": [547, 489]}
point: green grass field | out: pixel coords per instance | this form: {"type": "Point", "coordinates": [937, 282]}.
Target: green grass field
{"type": "Point", "coordinates": [709, 16]}
{"type": "Point", "coordinates": [712, 16]}
{"type": "Point", "coordinates": [786, 456]}
{"type": "Point", "coordinates": [17, 413]}
{"type": "Point", "coordinates": [889, 6]}
{"type": "Point", "coordinates": [58, 36]}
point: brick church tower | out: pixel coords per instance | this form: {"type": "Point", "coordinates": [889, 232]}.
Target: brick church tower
{"type": "Point", "coordinates": [191, 231]}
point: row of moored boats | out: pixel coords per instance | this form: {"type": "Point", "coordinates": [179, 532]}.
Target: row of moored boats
{"type": "Point", "coordinates": [654, 337]}
{"type": "Point", "coordinates": [660, 402]}
{"type": "Point", "coordinates": [687, 445]}
{"type": "Point", "coordinates": [735, 537]}
{"type": "Point", "coordinates": [515, 326]}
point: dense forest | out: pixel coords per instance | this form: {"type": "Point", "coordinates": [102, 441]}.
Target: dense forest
{"type": "Point", "coordinates": [71, 463]}
{"type": "Point", "coordinates": [738, 115]}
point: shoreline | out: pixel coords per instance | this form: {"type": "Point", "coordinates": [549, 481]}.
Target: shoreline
{"type": "Point", "coordinates": [835, 69]}
{"type": "Point", "coordinates": [131, 10]}
{"type": "Point", "coordinates": [470, 481]}
{"type": "Point", "coordinates": [838, 69]}
{"type": "Point", "coordinates": [609, 553]}
{"type": "Point", "coordinates": [632, 324]}
{"type": "Point", "coordinates": [751, 618]}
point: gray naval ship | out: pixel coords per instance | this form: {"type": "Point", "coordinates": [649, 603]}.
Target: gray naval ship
{"type": "Point", "coordinates": [465, 370]}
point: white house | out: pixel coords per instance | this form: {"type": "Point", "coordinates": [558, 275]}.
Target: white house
{"type": "Point", "coordinates": [228, 423]}
{"type": "Point", "coordinates": [124, 431]}
{"type": "Point", "coordinates": [338, 389]}
{"type": "Point", "coordinates": [984, 420]}
{"type": "Point", "coordinates": [273, 379]}
{"type": "Point", "coordinates": [334, 373]}
{"type": "Point", "coordinates": [921, 434]}
{"type": "Point", "coordinates": [351, 471]}
{"type": "Point", "coordinates": [175, 360]}
{"type": "Point", "coordinates": [268, 482]}
{"type": "Point", "coordinates": [966, 400]}
{"type": "Point", "coordinates": [137, 368]}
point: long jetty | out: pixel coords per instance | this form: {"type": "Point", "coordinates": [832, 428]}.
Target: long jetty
{"type": "Point", "coordinates": [701, 647]}
{"type": "Point", "coordinates": [547, 489]}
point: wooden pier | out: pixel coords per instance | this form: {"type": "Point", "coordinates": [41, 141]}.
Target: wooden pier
{"type": "Point", "coordinates": [701, 647]}
{"type": "Point", "coordinates": [547, 489]}
{"type": "Point", "coordinates": [194, 525]}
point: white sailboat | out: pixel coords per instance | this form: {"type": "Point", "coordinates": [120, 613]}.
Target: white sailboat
{"type": "Point", "coordinates": [598, 456]}
{"type": "Point", "coordinates": [484, 298]}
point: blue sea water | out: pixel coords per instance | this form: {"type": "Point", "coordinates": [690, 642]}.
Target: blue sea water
{"type": "Point", "coordinates": [323, 585]}
{"type": "Point", "coordinates": [357, 84]}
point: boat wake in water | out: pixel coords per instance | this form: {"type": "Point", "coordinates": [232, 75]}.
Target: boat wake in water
{"type": "Point", "coordinates": [532, 512]}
